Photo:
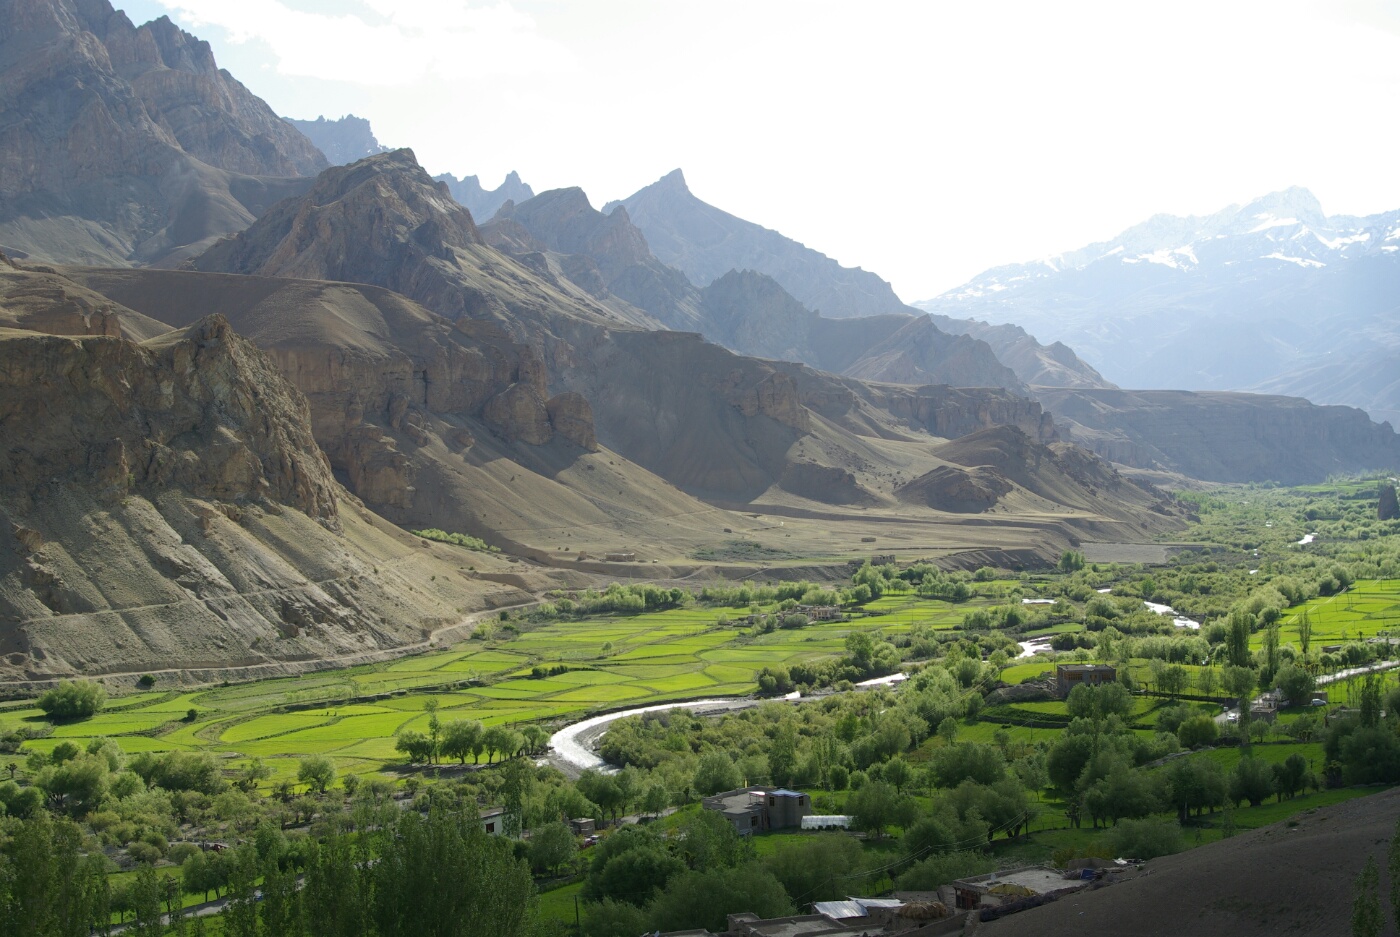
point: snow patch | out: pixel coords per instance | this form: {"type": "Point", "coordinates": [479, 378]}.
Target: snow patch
{"type": "Point", "coordinates": [1342, 242]}
{"type": "Point", "coordinates": [1300, 261]}
{"type": "Point", "coordinates": [1267, 221]}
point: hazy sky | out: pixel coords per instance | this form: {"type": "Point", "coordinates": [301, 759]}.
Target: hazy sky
{"type": "Point", "coordinates": [923, 140]}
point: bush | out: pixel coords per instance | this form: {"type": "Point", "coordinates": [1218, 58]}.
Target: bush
{"type": "Point", "coordinates": [939, 870]}
{"type": "Point", "coordinates": [73, 700]}
{"type": "Point", "coordinates": [1198, 731]}
{"type": "Point", "coordinates": [1145, 839]}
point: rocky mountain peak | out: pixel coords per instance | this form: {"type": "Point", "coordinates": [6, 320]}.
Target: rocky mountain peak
{"type": "Point", "coordinates": [483, 203]}
{"type": "Point", "coordinates": [371, 221]}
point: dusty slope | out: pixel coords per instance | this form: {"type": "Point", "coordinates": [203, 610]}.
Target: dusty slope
{"type": "Point", "coordinates": [121, 145]}
{"type": "Point", "coordinates": [164, 504]}
{"type": "Point", "coordinates": [1276, 880]}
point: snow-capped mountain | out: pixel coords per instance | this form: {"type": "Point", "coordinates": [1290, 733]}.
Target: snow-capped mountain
{"type": "Point", "coordinates": [1273, 295]}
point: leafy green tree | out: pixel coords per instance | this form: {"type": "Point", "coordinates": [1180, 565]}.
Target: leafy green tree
{"type": "Point", "coordinates": [552, 845]}
{"type": "Point", "coordinates": [821, 867]}
{"type": "Point", "coordinates": [1147, 838]}
{"type": "Point", "coordinates": [716, 772]}
{"type": "Point", "coordinates": [1253, 780]}
{"type": "Point", "coordinates": [316, 772]}
{"type": "Point", "coordinates": [1196, 784]}
{"type": "Point", "coordinates": [417, 746]}
{"type": "Point", "coordinates": [1295, 683]}
{"type": "Point", "coordinates": [1238, 628]}
{"type": "Point", "coordinates": [953, 764]}
{"type": "Point", "coordinates": [609, 918]}
{"type": "Point", "coordinates": [706, 898]}
{"type": "Point", "coordinates": [877, 806]}
{"type": "Point", "coordinates": [1290, 775]}
{"type": "Point", "coordinates": [73, 699]}
{"type": "Point", "coordinates": [445, 877]}
{"type": "Point", "coordinates": [1198, 731]}
{"type": "Point", "coordinates": [706, 840]}
{"type": "Point", "coordinates": [75, 787]}
{"type": "Point", "coordinates": [461, 738]}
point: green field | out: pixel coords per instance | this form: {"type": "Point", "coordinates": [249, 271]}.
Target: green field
{"type": "Point", "coordinates": [352, 715]}
{"type": "Point", "coordinates": [1369, 608]}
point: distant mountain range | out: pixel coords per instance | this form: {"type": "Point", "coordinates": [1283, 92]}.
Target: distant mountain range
{"type": "Point", "coordinates": [343, 140]}
{"type": "Point", "coordinates": [483, 203]}
{"type": "Point", "coordinates": [1274, 296]}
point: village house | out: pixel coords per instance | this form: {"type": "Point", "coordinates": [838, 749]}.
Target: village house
{"type": "Point", "coordinates": [755, 809]}
{"type": "Point", "coordinates": [1069, 676]}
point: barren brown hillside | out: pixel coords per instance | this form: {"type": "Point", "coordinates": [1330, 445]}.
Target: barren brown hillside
{"type": "Point", "coordinates": [1294, 877]}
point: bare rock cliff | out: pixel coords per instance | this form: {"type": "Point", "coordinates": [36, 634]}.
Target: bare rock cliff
{"type": "Point", "coordinates": [202, 410]}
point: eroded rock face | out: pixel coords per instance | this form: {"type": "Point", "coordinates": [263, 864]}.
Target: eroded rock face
{"type": "Point", "coordinates": [201, 410]}
{"type": "Point", "coordinates": [519, 413]}
{"type": "Point", "coordinates": [572, 418]}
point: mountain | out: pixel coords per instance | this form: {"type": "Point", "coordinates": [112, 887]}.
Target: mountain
{"type": "Point", "coordinates": [342, 141]}
{"type": "Point", "coordinates": [560, 235]}
{"type": "Point", "coordinates": [1224, 437]}
{"type": "Point", "coordinates": [482, 202]}
{"type": "Point", "coordinates": [683, 426]}
{"type": "Point", "coordinates": [125, 145]}
{"type": "Point", "coordinates": [1273, 296]}
{"type": "Point", "coordinates": [705, 243]}
{"type": "Point", "coordinates": [164, 505]}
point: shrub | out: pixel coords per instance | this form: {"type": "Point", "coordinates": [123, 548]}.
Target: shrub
{"type": "Point", "coordinates": [1145, 839]}
{"type": "Point", "coordinates": [73, 700]}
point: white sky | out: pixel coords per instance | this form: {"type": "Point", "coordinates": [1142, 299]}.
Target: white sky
{"type": "Point", "coordinates": [923, 140]}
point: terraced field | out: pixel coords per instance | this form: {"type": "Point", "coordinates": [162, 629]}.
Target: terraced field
{"type": "Point", "coordinates": [1367, 609]}
{"type": "Point", "coordinates": [353, 715]}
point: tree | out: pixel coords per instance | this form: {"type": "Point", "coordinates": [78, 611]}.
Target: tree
{"type": "Point", "coordinates": [552, 845]}
{"type": "Point", "coordinates": [316, 772]}
{"type": "Point", "coordinates": [707, 898]}
{"type": "Point", "coordinates": [898, 773]}
{"type": "Point", "coordinates": [1196, 784]}
{"type": "Point", "coordinates": [1198, 731]}
{"type": "Point", "coordinates": [1366, 917]}
{"type": "Point", "coordinates": [460, 738]}
{"type": "Point", "coordinates": [609, 918]}
{"type": "Point", "coordinates": [708, 841]}
{"type": "Point", "coordinates": [1238, 628]}
{"type": "Point", "coordinates": [1290, 775]}
{"type": "Point", "coordinates": [417, 746]}
{"type": "Point", "coordinates": [1305, 631]}
{"type": "Point", "coordinates": [75, 787]}
{"type": "Point", "coordinates": [821, 868]}
{"type": "Point", "coordinates": [1145, 839]}
{"type": "Point", "coordinates": [73, 699]}
{"type": "Point", "coordinates": [1070, 561]}
{"type": "Point", "coordinates": [1253, 780]}
{"type": "Point", "coordinates": [1239, 682]}
{"type": "Point", "coordinates": [877, 806]}
{"type": "Point", "coordinates": [1174, 680]}
{"type": "Point", "coordinates": [716, 772]}
{"type": "Point", "coordinates": [499, 739]}
{"type": "Point", "coordinates": [1295, 683]}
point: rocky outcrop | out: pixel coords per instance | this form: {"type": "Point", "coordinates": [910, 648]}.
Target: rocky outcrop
{"type": "Point", "coordinates": [572, 418]}
{"type": "Point", "coordinates": [1225, 437]}
{"type": "Point", "coordinates": [201, 410]}
{"type": "Point", "coordinates": [163, 507]}
{"type": "Point", "coordinates": [342, 141]}
{"type": "Point", "coordinates": [125, 145]}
